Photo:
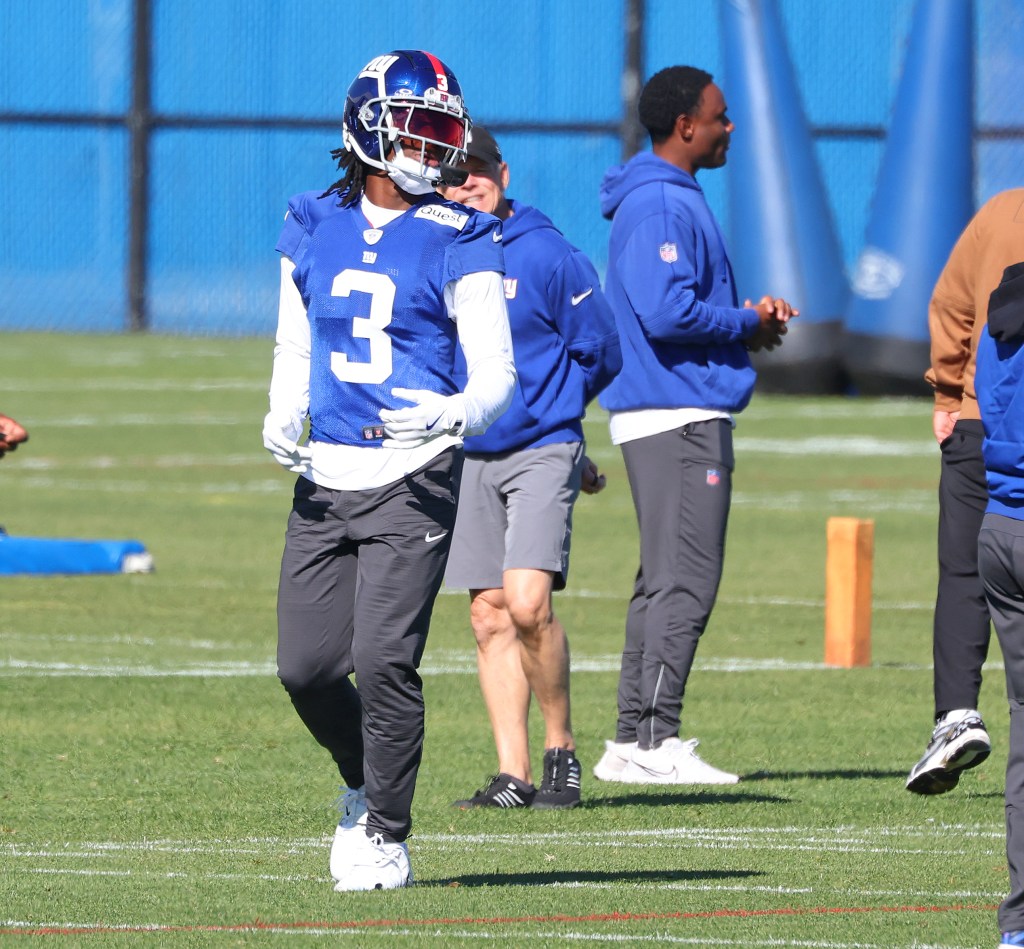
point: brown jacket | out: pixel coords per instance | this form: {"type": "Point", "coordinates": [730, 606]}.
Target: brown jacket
{"type": "Point", "coordinates": [958, 311]}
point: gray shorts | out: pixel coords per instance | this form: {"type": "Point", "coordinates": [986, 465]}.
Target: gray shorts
{"type": "Point", "coordinates": [515, 512]}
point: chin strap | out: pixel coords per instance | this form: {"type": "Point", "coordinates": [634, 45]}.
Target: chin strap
{"type": "Point", "coordinates": [405, 171]}
{"type": "Point", "coordinates": [410, 183]}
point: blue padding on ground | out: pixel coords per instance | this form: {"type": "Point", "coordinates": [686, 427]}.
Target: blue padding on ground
{"type": "Point", "coordinates": [55, 555]}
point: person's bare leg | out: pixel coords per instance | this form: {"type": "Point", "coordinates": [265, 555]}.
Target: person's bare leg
{"type": "Point", "coordinates": [544, 650]}
{"type": "Point", "coordinates": [503, 683]}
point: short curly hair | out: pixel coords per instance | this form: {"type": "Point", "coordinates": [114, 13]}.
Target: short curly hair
{"type": "Point", "coordinates": [668, 94]}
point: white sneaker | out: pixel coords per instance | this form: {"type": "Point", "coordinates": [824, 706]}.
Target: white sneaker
{"type": "Point", "coordinates": [959, 741]}
{"type": "Point", "coordinates": [351, 827]}
{"type": "Point", "coordinates": [673, 762]}
{"type": "Point", "coordinates": [614, 760]}
{"type": "Point", "coordinates": [377, 865]}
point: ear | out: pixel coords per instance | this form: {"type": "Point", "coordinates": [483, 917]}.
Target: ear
{"type": "Point", "coordinates": [504, 176]}
{"type": "Point", "coordinates": [684, 127]}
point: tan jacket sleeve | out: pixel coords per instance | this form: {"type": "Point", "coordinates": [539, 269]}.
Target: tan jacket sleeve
{"type": "Point", "coordinates": [951, 321]}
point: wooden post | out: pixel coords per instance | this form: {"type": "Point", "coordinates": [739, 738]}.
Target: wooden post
{"type": "Point", "coordinates": [849, 559]}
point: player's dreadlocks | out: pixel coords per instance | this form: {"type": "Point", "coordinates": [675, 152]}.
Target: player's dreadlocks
{"type": "Point", "coordinates": [349, 187]}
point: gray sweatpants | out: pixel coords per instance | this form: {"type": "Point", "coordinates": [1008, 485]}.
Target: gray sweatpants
{"type": "Point", "coordinates": [1001, 561]}
{"type": "Point", "coordinates": [359, 576]}
{"type": "Point", "coordinates": [681, 483]}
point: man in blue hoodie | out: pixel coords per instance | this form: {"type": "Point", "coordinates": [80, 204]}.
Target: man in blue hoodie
{"type": "Point", "coordinates": [685, 371]}
{"type": "Point", "coordinates": [999, 384]}
{"type": "Point", "coordinates": [521, 479]}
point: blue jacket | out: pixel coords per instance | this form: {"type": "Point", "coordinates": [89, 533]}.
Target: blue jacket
{"type": "Point", "coordinates": [671, 288]}
{"type": "Point", "coordinates": [999, 383]}
{"type": "Point", "coordinates": [564, 341]}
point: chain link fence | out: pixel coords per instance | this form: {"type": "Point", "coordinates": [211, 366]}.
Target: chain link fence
{"type": "Point", "coordinates": [147, 170]}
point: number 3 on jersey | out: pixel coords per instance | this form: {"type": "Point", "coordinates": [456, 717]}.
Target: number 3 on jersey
{"type": "Point", "coordinates": [381, 290]}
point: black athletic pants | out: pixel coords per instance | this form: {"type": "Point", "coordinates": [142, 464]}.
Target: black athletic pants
{"type": "Point", "coordinates": [359, 576]}
{"type": "Point", "coordinates": [961, 630]}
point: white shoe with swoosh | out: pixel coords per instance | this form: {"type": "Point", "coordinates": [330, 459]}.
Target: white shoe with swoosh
{"type": "Point", "coordinates": [673, 762]}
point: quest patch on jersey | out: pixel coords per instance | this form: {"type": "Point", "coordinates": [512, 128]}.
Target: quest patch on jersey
{"type": "Point", "coordinates": [668, 253]}
{"type": "Point", "coordinates": [434, 212]}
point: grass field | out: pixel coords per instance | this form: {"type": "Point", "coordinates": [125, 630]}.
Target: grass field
{"type": "Point", "coordinates": [156, 787]}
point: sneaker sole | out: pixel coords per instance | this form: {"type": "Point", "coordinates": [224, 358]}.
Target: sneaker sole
{"type": "Point", "coordinates": [462, 806]}
{"type": "Point", "coordinates": [553, 806]}
{"type": "Point", "coordinates": [945, 775]}
{"type": "Point", "coordinates": [666, 779]}
{"type": "Point", "coordinates": [339, 887]}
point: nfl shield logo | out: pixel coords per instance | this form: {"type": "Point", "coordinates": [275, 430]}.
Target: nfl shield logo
{"type": "Point", "coordinates": [667, 252]}
{"type": "Point", "coordinates": [713, 476]}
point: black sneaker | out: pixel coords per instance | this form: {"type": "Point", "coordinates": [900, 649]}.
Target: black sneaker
{"type": "Point", "coordinates": [501, 791]}
{"type": "Point", "coordinates": [561, 785]}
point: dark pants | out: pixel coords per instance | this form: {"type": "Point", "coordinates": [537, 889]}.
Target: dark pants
{"type": "Point", "coordinates": [359, 576]}
{"type": "Point", "coordinates": [961, 629]}
{"type": "Point", "coordinates": [1001, 558]}
{"type": "Point", "coordinates": [681, 483]}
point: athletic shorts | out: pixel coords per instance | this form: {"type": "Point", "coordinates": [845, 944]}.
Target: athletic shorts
{"type": "Point", "coordinates": [515, 512]}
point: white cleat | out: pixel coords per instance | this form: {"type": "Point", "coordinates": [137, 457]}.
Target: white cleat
{"type": "Point", "coordinates": [377, 865]}
{"type": "Point", "coordinates": [673, 762]}
{"type": "Point", "coordinates": [614, 760]}
{"type": "Point", "coordinates": [351, 827]}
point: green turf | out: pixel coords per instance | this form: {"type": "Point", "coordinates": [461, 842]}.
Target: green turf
{"type": "Point", "coordinates": [153, 773]}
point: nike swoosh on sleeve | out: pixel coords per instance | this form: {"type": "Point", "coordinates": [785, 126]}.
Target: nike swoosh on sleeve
{"type": "Point", "coordinates": [496, 236]}
{"type": "Point", "coordinates": [578, 298]}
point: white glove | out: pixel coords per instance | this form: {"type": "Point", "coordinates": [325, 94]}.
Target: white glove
{"type": "Point", "coordinates": [280, 438]}
{"type": "Point", "coordinates": [431, 416]}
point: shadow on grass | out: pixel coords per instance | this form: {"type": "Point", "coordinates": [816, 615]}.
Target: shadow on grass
{"type": "Point", "coordinates": [846, 774]}
{"type": "Point", "coordinates": [588, 876]}
{"type": "Point", "coordinates": [674, 795]}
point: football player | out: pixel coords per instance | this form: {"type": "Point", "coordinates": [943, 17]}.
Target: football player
{"type": "Point", "coordinates": [382, 279]}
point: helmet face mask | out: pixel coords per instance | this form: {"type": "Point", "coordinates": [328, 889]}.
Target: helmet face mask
{"type": "Point", "coordinates": [404, 114]}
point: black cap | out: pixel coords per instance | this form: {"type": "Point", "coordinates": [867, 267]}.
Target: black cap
{"type": "Point", "coordinates": [483, 146]}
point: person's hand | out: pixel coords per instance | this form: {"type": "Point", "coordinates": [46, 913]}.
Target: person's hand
{"type": "Point", "coordinates": [942, 424]}
{"type": "Point", "coordinates": [280, 438]}
{"type": "Point", "coordinates": [592, 481]}
{"type": "Point", "coordinates": [11, 435]}
{"type": "Point", "coordinates": [774, 314]}
{"type": "Point", "coordinates": [430, 416]}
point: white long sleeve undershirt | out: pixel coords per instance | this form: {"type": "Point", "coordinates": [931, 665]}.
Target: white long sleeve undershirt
{"type": "Point", "coordinates": [476, 302]}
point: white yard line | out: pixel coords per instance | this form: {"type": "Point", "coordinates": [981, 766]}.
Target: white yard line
{"type": "Point", "coordinates": [838, 446]}
{"type": "Point", "coordinates": [107, 486]}
{"type": "Point", "coordinates": [160, 462]}
{"type": "Point", "coordinates": [445, 933]}
{"type": "Point", "coordinates": [132, 385]}
{"type": "Point", "coordinates": [454, 664]}
{"type": "Point", "coordinates": [920, 838]}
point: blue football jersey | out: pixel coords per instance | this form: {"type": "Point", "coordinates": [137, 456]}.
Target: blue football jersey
{"type": "Point", "coordinates": [375, 302]}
